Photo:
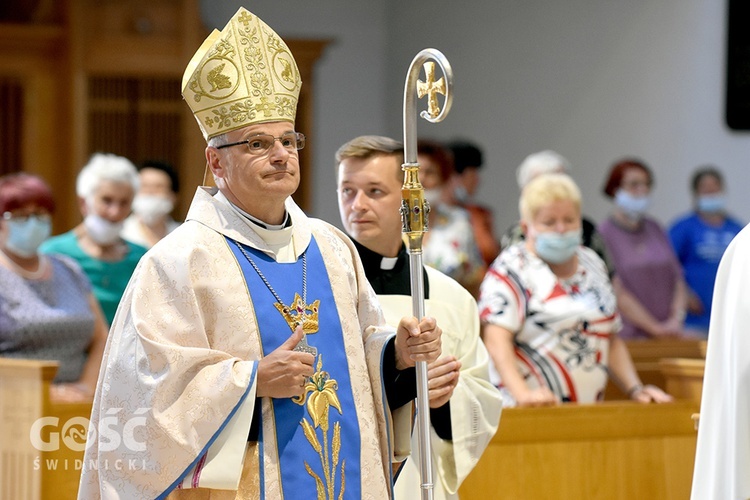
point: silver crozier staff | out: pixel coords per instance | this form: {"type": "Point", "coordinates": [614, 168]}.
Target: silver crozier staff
{"type": "Point", "coordinates": [414, 215]}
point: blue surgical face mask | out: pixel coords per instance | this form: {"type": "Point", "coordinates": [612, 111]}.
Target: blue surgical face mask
{"type": "Point", "coordinates": [433, 196]}
{"type": "Point", "coordinates": [557, 248]}
{"type": "Point", "coordinates": [712, 203]}
{"type": "Point", "coordinates": [633, 206]}
{"type": "Point", "coordinates": [25, 236]}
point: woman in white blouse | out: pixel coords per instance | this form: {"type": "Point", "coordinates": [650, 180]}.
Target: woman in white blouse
{"type": "Point", "coordinates": [549, 313]}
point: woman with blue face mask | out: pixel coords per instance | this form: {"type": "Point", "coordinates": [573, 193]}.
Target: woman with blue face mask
{"type": "Point", "coordinates": [699, 240]}
{"type": "Point", "coordinates": [651, 292]}
{"type": "Point", "coordinates": [450, 245]}
{"type": "Point", "coordinates": [549, 313]}
{"type": "Point", "coordinates": [47, 310]}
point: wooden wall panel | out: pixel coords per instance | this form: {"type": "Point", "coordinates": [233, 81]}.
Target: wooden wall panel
{"type": "Point", "coordinates": [104, 75]}
{"type": "Point", "coordinates": [11, 124]}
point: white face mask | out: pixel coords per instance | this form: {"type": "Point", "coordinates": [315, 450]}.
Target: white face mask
{"type": "Point", "coordinates": [101, 230]}
{"type": "Point", "coordinates": [151, 208]}
{"type": "Point", "coordinates": [634, 207]}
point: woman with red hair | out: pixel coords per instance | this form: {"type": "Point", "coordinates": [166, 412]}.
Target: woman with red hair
{"type": "Point", "coordinates": [648, 282]}
{"type": "Point", "coordinates": [449, 245]}
{"type": "Point", "coordinates": [47, 310]}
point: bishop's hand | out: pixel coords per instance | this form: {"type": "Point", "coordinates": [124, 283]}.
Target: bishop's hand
{"type": "Point", "coordinates": [417, 341]}
{"type": "Point", "coordinates": [284, 372]}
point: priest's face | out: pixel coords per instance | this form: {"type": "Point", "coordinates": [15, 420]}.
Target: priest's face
{"type": "Point", "coordinates": [258, 183]}
{"type": "Point", "coordinates": [369, 193]}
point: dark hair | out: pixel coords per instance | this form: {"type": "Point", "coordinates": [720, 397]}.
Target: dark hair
{"type": "Point", "coordinates": [167, 169]}
{"type": "Point", "coordinates": [20, 189]}
{"type": "Point", "coordinates": [439, 154]}
{"type": "Point", "coordinates": [706, 172]}
{"type": "Point", "coordinates": [465, 154]}
{"type": "Point", "coordinates": [617, 172]}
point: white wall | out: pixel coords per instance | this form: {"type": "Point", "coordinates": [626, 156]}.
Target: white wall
{"type": "Point", "coordinates": [592, 79]}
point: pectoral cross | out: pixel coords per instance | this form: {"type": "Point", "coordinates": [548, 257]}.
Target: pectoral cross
{"type": "Point", "coordinates": [431, 88]}
{"type": "Point", "coordinates": [303, 346]}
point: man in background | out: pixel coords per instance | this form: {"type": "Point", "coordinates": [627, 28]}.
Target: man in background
{"type": "Point", "coordinates": [464, 406]}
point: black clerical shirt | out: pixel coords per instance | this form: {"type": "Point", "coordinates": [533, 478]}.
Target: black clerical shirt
{"type": "Point", "coordinates": [389, 278]}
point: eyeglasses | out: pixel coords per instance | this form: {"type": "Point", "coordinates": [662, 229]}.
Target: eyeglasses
{"type": "Point", "coordinates": [261, 143]}
{"type": "Point", "coordinates": [22, 218]}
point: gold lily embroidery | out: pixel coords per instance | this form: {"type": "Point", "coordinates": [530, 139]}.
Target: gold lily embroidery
{"type": "Point", "coordinates": [320, 394]}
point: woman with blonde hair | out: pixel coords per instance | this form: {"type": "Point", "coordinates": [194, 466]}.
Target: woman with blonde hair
{"type": "Point", "coordinates": [549, 313]}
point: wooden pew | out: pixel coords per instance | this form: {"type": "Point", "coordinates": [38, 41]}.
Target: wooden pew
{"type": "Point", "coordinates": [647, 355]}
{"type": "Point", "coordinates": [684, 377]}
{"type": "Point", "coordinates": [27, 469]}
{"type": "Point", "coordinates": [608, 451]}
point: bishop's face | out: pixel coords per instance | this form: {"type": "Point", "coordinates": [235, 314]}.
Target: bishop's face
{"type": "Point", "coordinates": [257, 183]}
{"type": "Point", "coordinates": [369, 194]}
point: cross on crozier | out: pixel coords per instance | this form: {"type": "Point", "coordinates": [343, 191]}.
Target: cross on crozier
{"type": "Point", "coordinates": [431, 88]}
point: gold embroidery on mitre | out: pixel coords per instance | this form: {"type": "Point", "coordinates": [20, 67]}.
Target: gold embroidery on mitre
{"type": "Point", "coordinates": [242, 75]}
{"type": "Point", "coordinates": [300, 312]}
{"type": "Point", "coordinates": [322, 395]}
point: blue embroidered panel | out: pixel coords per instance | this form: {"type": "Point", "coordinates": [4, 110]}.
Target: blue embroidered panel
{"type": "Point", "coordinates": [317, 438]}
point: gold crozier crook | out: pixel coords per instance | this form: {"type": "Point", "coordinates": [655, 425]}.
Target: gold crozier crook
{"type": "Point", "coordinates": [414, 219]}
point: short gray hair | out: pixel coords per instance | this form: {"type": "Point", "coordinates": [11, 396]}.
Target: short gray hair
{"type": "Point", "coordinates": [105, 167]}
{"type": "Point", "coordinates": [543, 162]}
{"type": "Point", "coordinates": [219, 140]}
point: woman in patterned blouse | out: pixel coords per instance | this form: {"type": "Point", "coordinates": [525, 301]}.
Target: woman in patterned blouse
{"type": "Point", "coordinates": [549, 313]}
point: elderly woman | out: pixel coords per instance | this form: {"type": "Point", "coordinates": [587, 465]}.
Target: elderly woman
{"type": "Point", "coordinates": [549, 314]}
{"type": "Point", "coordinates": [651, 291]}
{"type": "Point", "coordinates": [105, 188]}
{"type": "Point", "coordinates": [47, 310]}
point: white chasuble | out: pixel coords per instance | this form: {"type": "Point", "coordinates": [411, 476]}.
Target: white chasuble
{"type": "Point", "coordinates": [722, 459]}
{"type": "Point", "coordinates": [176, 391]}
{"type": "Point", "coordinates": [475, 405]}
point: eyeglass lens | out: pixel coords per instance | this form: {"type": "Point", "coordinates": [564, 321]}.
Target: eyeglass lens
{"type": "Point", "coordinates": [261, 143]}
{"type": "Point", "coordinates": [25, 217]}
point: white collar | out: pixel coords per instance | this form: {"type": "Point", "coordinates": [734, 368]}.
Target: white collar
{"type": "Point", "coordinates": [276, 236]}
{"type": "Point", "coordinates": [388, 263]}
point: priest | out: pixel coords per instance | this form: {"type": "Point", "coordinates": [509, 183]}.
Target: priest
{"type": "Point", "coordinates": [464, 406]}
{"type": "Point", "coordinates": [249, 357]}
{"type": "Point", "coordinates": [722, 457]}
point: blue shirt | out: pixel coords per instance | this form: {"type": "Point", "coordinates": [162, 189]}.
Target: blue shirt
{"type": "Point", "coordinates": [699, 246]}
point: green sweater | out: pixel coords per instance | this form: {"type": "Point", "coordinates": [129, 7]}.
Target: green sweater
{"type": "Point", "coordinates": [108, 279]}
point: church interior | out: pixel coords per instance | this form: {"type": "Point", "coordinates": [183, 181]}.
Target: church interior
{"type": "Point", "coordinates": [594, 80]}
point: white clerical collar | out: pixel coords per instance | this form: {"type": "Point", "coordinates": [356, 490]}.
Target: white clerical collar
{"type": "Point", "coordinates": [388, 263]}
{"type": "Point", "coordinates": [260, 223]}
{"type": "Point", "coordinates": [277, 237]}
